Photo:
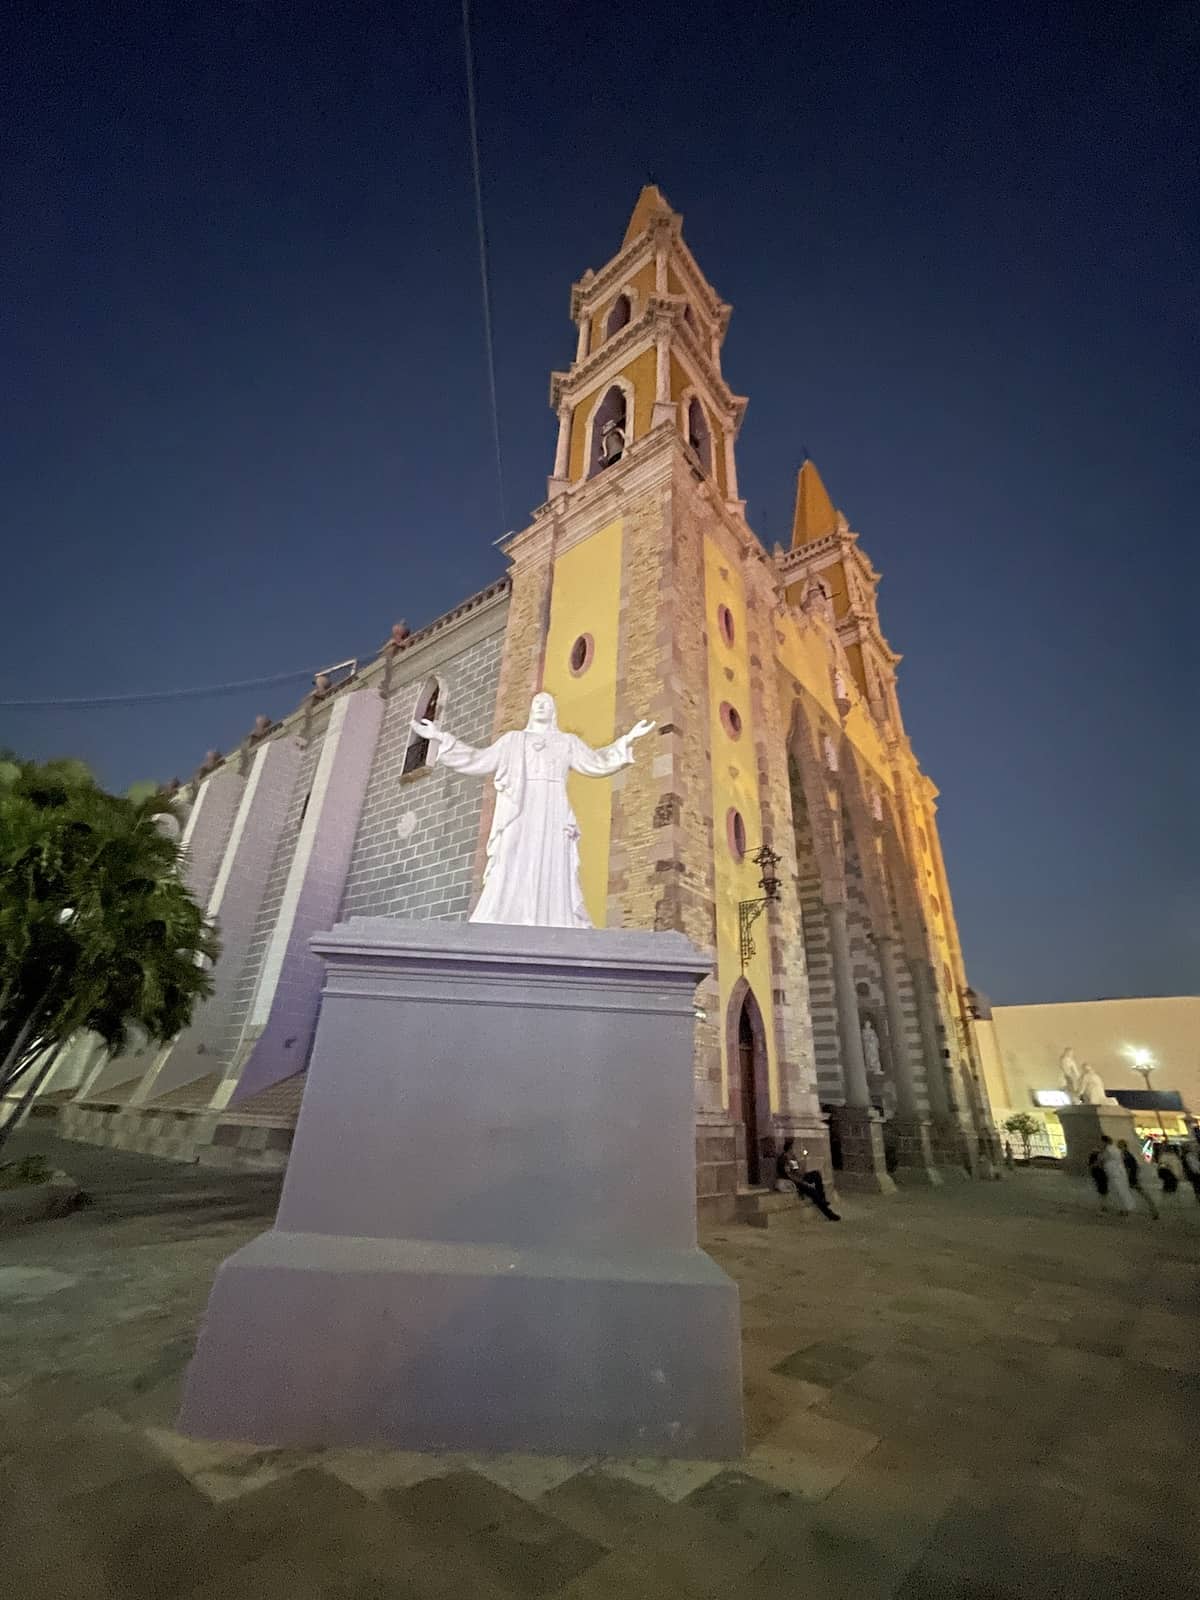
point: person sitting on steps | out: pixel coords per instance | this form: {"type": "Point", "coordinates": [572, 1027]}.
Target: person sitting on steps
{"type": "Point", "coordinates": [789, 1174]}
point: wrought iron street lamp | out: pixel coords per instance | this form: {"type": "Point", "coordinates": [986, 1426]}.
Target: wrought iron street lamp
{"type": "Point", "coordinates": [749, 911]}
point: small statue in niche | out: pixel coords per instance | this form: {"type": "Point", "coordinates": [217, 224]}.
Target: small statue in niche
{"type": "Point", "coordinates": [870, 1044]}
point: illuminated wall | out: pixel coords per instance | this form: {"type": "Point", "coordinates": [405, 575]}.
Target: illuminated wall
{"type": "Point", "coordinates": [1021, 1047]}
{"type": "Point", "coordinates": [585, 604]}
{"type": "Point", "coordinates": [734, 789]}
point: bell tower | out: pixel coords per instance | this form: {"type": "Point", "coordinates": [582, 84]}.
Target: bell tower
{"type": "Point", "coordinates": [638, 590]}
{"type": "Point", "coordinates": [827, 570]}
{"type": "Point", "coordinates": [649, 331]}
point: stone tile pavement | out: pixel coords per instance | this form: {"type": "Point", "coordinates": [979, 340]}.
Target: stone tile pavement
{"type": "Point", "coordinates": [984, 1392]}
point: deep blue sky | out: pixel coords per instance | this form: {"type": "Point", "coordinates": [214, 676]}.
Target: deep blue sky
{"type": "Point", "coordinates": [244, 409]}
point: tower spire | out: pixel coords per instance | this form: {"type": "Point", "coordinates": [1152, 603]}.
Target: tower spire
{"type": "Point", "coordinates": [650, 204]}
{"type": "Point", "coordinates": [815, 516]}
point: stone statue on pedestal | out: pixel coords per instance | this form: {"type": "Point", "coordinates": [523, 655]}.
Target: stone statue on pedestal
{"type": "Point", "coordinates": [532, 873]}
{"type": "Point", "coordinates": [1069, 1068]}
{"type": "Point", "coordinates": [1091, 1088]}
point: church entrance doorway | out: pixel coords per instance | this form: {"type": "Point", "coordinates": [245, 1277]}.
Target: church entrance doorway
{"type": "Point", "coordinates": [749, 1098]}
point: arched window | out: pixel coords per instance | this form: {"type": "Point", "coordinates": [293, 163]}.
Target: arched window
{"type": "Point", "coordinates": [690, 320]}
{"type": "Point", "coordinates": [608, 431]}
{"type": "Point", "coordinates": [698, 434]}
{"type": "Point", "coordinates": [416, 755]}
{"type": "Point", "coordinates": [619, 314]}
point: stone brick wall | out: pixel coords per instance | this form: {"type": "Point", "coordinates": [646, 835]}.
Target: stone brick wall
{"type": "Point", "coordinates": [661, 870]}
{"type": "Point", "coordinates": [416, 846]}
{"type": "Point", "coordinates": [818, 953]}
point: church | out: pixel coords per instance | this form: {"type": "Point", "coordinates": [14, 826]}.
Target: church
{"type": "Point", "coordinates": [776, 815]}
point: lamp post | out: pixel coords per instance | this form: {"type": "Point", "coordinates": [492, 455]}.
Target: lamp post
{"type": "Point", "coordinates": [1143, 1065]}
{"type": "Point", "coordinates": [749, 911]}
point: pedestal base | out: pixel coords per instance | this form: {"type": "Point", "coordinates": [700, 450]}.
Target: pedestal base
{"type": "Point", "coordinates": [487, 1234]}
{"type": "Point", "coordinates": [860, 1139]}
{"type": "Point", "coordinates": [1084, 1126]}
{"type": "Point", "coordinates": [913, 1150]}
{"type": "Point", "coordinates": [951, 1146]}
{"type": "Point", "coordinates": [428, 1346]}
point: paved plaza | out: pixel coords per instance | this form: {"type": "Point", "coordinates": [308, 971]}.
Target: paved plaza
{"type": "Point", "coordinates": [985, 1391]}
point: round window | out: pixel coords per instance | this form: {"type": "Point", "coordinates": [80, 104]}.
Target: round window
{"type": "Point", "coordinates": [735, 829]}
{"type": "Point", "coordinates": [731, 719]}
{"type": "Point", "coordinates": [725, 623]}
{"type": "Point", "coordinates": [581, 655]}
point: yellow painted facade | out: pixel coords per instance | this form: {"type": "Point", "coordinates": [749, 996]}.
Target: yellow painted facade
{"type": "Point", "coordinates": [734, 787]}
{"type": "Point", "coordinates": [586, 600]}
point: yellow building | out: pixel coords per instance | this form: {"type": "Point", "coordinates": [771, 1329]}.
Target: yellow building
{"type": "Point", "coordinates": [1021, 1047]}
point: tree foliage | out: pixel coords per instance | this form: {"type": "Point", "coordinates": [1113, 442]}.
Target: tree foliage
{"type": "Point", "coordinates": [97, 930]}
{"type": "Point", "coordinates": [1024, 1124]}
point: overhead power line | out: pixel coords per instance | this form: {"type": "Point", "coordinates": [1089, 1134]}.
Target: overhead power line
{"type": "Point", "coordinates": [484, 274]}
{"type": "Point", "coordinates": [154, 696]}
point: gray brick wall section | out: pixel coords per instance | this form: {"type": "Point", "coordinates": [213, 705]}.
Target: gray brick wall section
{"type": "Point", "coordinates": [332, 822]}
{"type": "Point", "coordinates": [269, 909]}
{"type": "Point", "coordinates": [198, 1050]}
{"type": "Point", "coordinates": [817, 954]}
{"type": "Point", "coordinates": [415, 852]}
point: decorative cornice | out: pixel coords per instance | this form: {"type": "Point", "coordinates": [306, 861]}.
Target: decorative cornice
{"type": "Point", "coordinates": [593, 286]}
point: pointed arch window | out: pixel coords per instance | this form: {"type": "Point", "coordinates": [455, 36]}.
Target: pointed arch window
{"type": "Point", "coordinates": [609, 431]}
{"type": "Point", "coordinates": [416, 756]}
{"type": "Point", "coordinates": [619, 314]}
{"type": "Point", "coordinates": [699, 435]}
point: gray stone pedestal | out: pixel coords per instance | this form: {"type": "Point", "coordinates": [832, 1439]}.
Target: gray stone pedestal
{"type": "Point", "coordinates": [860, 1137]}
{"type": "Point", "coordinates": [915, 1163]}
{"type": "Point", "coordinates": [1084, 1126]}
{"type": "Point", "coordinates": [487, 1234]}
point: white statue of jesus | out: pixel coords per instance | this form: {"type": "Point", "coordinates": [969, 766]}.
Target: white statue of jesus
{"type": "Point", "coordinates": [532, 872]}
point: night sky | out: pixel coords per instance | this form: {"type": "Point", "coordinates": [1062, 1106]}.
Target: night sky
{"type": "Point", "coordinates": [245, 417]}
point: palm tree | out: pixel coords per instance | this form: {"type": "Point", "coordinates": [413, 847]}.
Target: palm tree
{"type": "Point", "coordinates": [97, 930]}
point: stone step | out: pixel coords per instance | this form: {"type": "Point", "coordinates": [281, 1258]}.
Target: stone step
{"type": "Point", "coordinates": [756, 1206]}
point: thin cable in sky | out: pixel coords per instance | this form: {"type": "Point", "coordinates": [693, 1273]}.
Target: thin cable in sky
{"type": "Point", "coordinates": [150, 696]}
{"type": "Point", "coordinates": [485, 276]}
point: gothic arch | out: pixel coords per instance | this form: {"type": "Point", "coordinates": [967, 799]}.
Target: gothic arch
{"type": "Point", "coordinates": [749, 1099]}
{"type": "Point", "coordinates": [698, 429]}
{"type": "Point", "coordinates": [620, 312]}
{"type": "Point", "coordinates": [431, 703]}
{"type": "Point", "coordinates": [591, 445]}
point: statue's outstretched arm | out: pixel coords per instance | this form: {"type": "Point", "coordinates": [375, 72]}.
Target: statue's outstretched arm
{"type": "Point", "coordinates": [603, 763]}
{"type": "Point", "coordinates": [447, 751]}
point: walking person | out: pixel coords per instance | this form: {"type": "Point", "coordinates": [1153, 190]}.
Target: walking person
{"type": "Point", "coordinates": [1169, 1170]}
{"type": "Point", "coordinates": [1133, 1173]}
{"type": "Point", "coordinates": [1191, 1166]}
{"type": "Point", "coordinates": [1099, 1177]}
{"type": "Point", "coordinates": [1114, 1172]}
{"type": "Point", "coordinates": [789, 1174]}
